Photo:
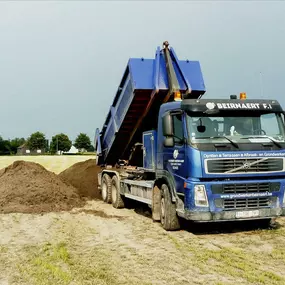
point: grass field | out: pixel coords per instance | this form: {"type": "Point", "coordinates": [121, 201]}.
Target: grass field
{"type": "Point", "coordinates": [101, 245]}
{"type": "Point", "coordinates": [55, 163]}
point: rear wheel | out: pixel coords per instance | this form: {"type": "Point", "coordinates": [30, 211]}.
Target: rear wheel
{"type": "Point", "coordinates": [168, 217]}
{"type": "Point", "coordinates": [106, 188]}
{"type": "Point", "coordinates": [117, 199]}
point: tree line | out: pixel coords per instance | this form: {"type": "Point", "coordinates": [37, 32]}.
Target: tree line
{"type": "Point", "coordinates": [38, 141]}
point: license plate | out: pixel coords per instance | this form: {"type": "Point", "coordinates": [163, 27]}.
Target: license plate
{"type": "Point", "coordinates": [247, 214]}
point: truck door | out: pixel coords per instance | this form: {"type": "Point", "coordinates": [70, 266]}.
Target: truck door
{"type": "Point", "coordinates": [174, 157]}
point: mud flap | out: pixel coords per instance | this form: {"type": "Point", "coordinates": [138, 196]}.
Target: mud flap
{"type": "Point", "coordinates": [155, 206]}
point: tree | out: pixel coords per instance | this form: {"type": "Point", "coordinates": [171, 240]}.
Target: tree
{"type": "Point", "coordinates": [91, 148]}
{"type": "Point", "coordinates": [15, 143]}
{"type": "Point", "coordinates": [60, 142]}
{"type": "Point", "coordinates": [37, 140]}
{"type": "Point", "coordinates": [5, 147]}
{"type": "Point", "coordinates": [82, 141]}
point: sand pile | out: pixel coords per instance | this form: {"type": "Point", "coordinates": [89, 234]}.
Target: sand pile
{"type": "Point", "coordinates": [83, 176]}
{"type": "Point", "coordinates": [27, 187]}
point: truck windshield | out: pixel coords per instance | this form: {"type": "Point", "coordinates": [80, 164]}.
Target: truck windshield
{"type": "Point", "coordinates": [205, 128]}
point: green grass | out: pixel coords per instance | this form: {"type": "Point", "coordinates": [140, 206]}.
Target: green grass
{"type": "Point", "coordinates": [58, 264]}
{"type": "Point", "coordinates": [3, 249]}
{"type": "Point", "coordinates": [278, 254]}
{"type": "Point", "coordinates": [54, 264]}
{"type": "Point", "coordinates": [48, 265]}
{"type": "Point", "coordinates": [236, 262]}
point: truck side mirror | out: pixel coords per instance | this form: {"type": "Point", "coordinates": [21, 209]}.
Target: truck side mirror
{"type": "Point", "coordinates": [167, 127]}
{"type": "Point", "coordinates": [169, 142]}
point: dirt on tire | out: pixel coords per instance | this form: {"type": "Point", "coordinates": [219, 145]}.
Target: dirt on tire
{"type": "Point", "coordinates": [27, 187]}
{"type": "Point", "coordinates": [83, 176]}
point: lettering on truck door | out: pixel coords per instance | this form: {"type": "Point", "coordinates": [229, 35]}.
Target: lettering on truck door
{"type": "Point", "coordinates": [174, 157]}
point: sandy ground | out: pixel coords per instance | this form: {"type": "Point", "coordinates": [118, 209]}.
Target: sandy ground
{"type": "Point", "coordinates": [55, 163]}
{"type": "Point", "coordinates": [98, 244]}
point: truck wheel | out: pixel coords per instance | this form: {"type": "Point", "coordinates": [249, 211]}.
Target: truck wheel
{"type": "Point", "coordinates": [117, 200]}
{"type": "Point", "coordinates": [168, 216]}
{"type": "Point", "coordinates": [106, 188]}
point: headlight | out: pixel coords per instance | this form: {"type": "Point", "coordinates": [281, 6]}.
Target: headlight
{"type": "Point", "coordinates": [200, 196]}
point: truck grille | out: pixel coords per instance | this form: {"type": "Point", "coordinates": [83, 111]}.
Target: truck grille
{"type": "Point", "coordinates": [245, 188]}
{"type": "Point", "coordinates": [247, 203]}
{"type": "Point", "coordinates": [244, 165]}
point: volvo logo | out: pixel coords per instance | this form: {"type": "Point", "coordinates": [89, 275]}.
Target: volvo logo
{"type": "Point", "coordinates": [246, 165]}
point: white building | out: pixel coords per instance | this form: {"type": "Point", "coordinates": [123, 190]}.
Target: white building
{"type": "Point", "coordinates": [73, 149]}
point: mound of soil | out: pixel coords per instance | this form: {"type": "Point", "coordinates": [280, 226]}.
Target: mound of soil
{"type": "Point", "coordinates": [83, 176]}
{"type": "Point", "coordinates": [27, 187]}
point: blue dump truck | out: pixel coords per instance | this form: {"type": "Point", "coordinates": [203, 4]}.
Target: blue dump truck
{"type": "Point", "coordinates": [189, 158]}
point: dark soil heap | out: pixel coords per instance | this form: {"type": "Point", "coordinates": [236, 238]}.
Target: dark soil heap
{"type": "Point", "coordinates": [27, 187]}
{"type": "Point", "coordinates": [83, 176]}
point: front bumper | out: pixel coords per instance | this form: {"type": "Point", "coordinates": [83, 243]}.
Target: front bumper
{"type": "Point", "coordinates": [199, 216]}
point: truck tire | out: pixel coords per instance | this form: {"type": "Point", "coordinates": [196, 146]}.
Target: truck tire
{"type": "Point", "coordinates": [168, 217]}
{"type": "Point", "coordinates": [116, 197]}
{"type": "Point", "coordinates": [106, 188]}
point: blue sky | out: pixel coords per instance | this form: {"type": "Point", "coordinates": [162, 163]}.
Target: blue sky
{"type": "Point", "coordinates": [61, 62]}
